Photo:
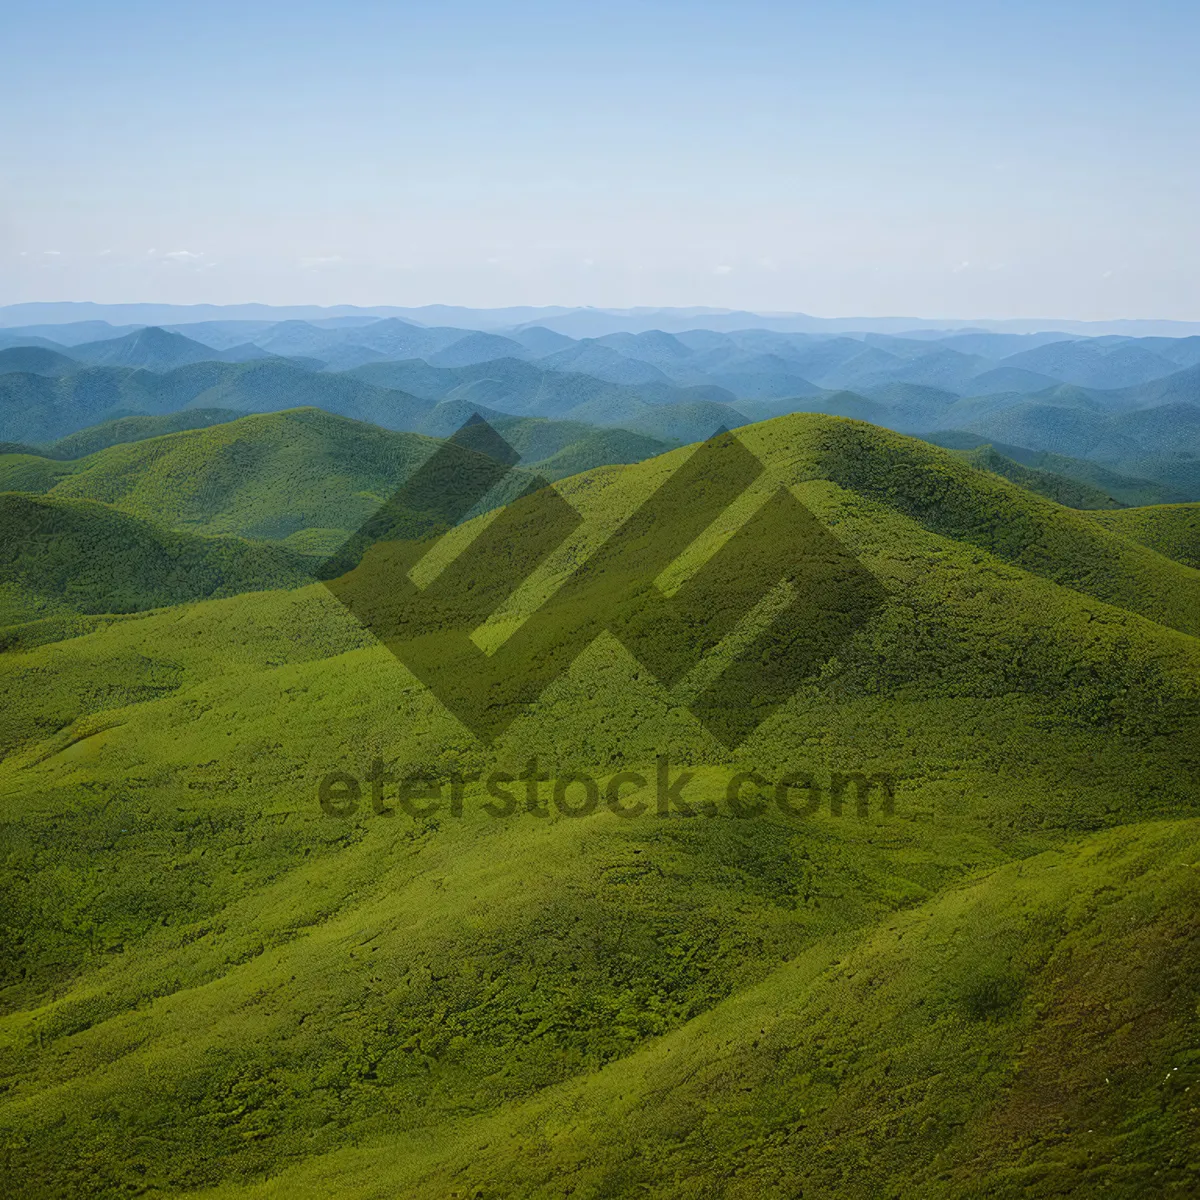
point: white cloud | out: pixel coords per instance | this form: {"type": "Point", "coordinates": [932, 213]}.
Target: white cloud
{"type": "Point", "coordinates": [183, 256]}
{"type": "Point", "coordinates": [723, 269]}
{"type": "Point", "coordinates": [52, 253]}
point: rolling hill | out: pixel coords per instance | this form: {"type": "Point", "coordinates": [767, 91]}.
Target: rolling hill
{"type": "Point", "coordinates": [264, 476]}
{"type": "Point", "coordinates": [154, 349]}
{"type": "Point", "coordinates": [73, 555]}
{"type": "Point", "coordinates": [988, 988]}
{"type": "Point", "coordinates": [36, 360]}
{"type": "Point", "coordinates": [1171, 529]}
{"type": "Point", "coordinates": [1098, 363]}
{"type": "Point", "coordinates": [1128, 490]}
{"type": "Point", "coordinates": [35, 409]}
{"type": "Point", "coordinates": [1161, 444]}
{"type": "Point", "coordinates": [303, 476]}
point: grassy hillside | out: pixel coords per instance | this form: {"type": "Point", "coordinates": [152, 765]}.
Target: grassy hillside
{"type": "Point", "coordinates": [266, 476]}
{"type": "Point", "coordinates": [1162, 444]}
{"type": "Point", "coordinates": [93, 559]}
{"type": "Point", "coordinates": [1125, 488]}
{"type": "Point", "coordinates": [1171, 529]}
{"type": "Point", "coordinates": [305, 476]}
{"type": "Point", "coordinates": [136, 429]}
{"type": "Point", "coordinates": [1069, 492]}
{"type": "Point", "coordinates": [597, 448]}
{"type": "Point", "coordinates": [990, 991]}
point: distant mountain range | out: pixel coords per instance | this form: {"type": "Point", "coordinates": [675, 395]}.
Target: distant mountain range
{"type": "Point", "coordinates": [1128, 405]}
{"type": "Point", "coordinates": [571, 321]}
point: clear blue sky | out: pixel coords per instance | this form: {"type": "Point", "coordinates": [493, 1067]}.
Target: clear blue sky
{"type": "Point", "coordinates": [927, 159]}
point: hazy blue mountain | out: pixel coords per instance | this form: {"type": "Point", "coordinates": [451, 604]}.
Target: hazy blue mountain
{"type": "Point", "coordinates": [476, 348]}
{"type": "Point", "coordinates": [539, 339]}
{"type": "Point", "coordinates": [526, 389]}
{"type": "Point", "coordinates": [907, 348]}
{"type": "Point", "coordinates": [576, 322]}
{"type": "Point", "coordinates": [1099, 364]}
{"type": "Point", "coordinates": [401, 339]}
{"type": "Point", "coordinates": [963, 412]}
{"type": "Point", "coordinates": [222, 335]}
{"type": "Point", "coordinates": [913, 407]}
{"type": "Point", "coordinates": [74, 334]}
{"type": "Point", "coordinates": [762, 377]}
{"type": "Point", "coordinates": [152, 349]}
{"type": "Point", "coordinates": [38, 408]}
{"type": "Point", "coordinates": [702, 340]}
{"type": "Point", "coordinates": [822, 360]}
{"type": "Point", "coordinates": [687, 422]}
{"type": "Point", "coordinates": [1184, 351]}
{"type": "Point", "coordinates": [447, 416]}
{"type": "Point", "coordinates": [1180, 387]}
{"type": "Point", "coordinates": [34, 408]}
{"type": "Point", "coordinates": [244, 352]}
{"type": "Point", "coordinates": [347, 346]}
{"type": "Point", "coordinates": [344, 356]}
{"type": "Point", "coordinates": [1009, 379]}
{"type": "Point", "coordinates": [660, 349]}
{"type": "Point", "coordinates": [410, 375]}
{"type": "Point", "coordinates": [997, 345]}
{"type": "Point", "coordinates": [36, 360]}
{"type": "Point", "coordinates": [597, 448]}
{"type": "Point", "coordinates": [602, 362]}
{"type": "Point", "coordinates": [835, 404]}
{"type": "Point", "coordinates": [945, 369]}
{"type": "Point", "coordinates": [11, 340]}
{"type": "Point", "coordinates": [1161, 444]}
{"type": "Point", "coordinates": [287, 338]}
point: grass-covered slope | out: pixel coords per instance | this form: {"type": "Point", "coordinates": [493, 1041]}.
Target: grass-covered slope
{"type": "Point", "coordinates": [305, 474]}
{"type": "Point", "coordinates": [209, 985]}
{"type": "Point", "coordinates": [92, 559]}
{"type": "Point", "coordinates": [598, 448]}
{"type": "Point", "coordinates": [136, 429]}
{"type": "Point", "coordinates": [1171, 529]}
{"type": "Point", "coordinates": [1062, 490]}
{"type": "Point", "coordinates": [1017, 1035]}
{"type": "Point", "coordinates": [1125, 488]}
{"type": "Point", "coordinates": [265, 476]}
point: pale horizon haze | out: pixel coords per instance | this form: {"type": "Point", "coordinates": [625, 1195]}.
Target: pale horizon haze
{"type": "Point", "coordinates": [928, 159]}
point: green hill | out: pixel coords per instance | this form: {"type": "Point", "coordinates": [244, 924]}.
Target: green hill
{"type": "Point", "coordinates": [265, 476]}
{"type": "Point", "coordinates": [1125, 488]}
{"type": "Point", "coordinates": [597, 448]}
{"type": "Point", "coordinates": [90, 558]}
{"type": "Point", "coordinates": [1069, 492]}
{"type": "Point", "coordinates": [136, 429]}
{"type": "Point", "coordinates": [1171, 529]}
{"type": "Point", "coordinates": [304, 476]}
{"type": "Point", "coordinates": [209, 985]}
{"type": "Point", "coordinates": [152, 349]}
